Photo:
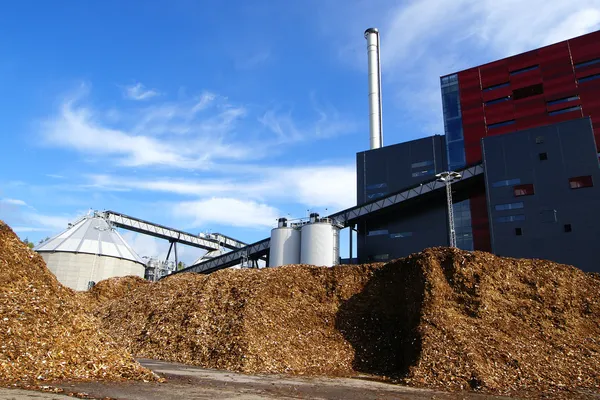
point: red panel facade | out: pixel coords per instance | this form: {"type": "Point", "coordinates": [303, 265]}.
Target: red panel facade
{"type": "Point", "coordinates": [544, 86]}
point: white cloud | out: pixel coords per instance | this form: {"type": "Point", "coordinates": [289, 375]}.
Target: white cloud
{"type": "Point", "coordinates": [14, 202]}
{"type": "Point", "coordinates": [227, 211]}
{"type": "Point", "coordinates": [51, 222]}
{"type": "Point", "coordinates": [317, 186]}
{"type": "Point", "coordinates": [19, 229]}
{"type": "Point", "coordinates": [141, 143]}
{"type": "Point", "coordinates": [139, 92]}
{"type": "Point", "coordinates": [55, 176]}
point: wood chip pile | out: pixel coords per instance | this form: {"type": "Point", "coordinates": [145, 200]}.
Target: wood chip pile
{"type": "Point", "coordinates": [44, 333]}
{"type": "Point", "coordinates": [442, 318]}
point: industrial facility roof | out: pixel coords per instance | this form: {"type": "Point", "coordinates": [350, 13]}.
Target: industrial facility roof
{"type": "Point", "coordinates": [91, 234]}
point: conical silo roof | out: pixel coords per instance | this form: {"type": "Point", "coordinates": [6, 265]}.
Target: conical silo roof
{"type": "Point", "coordinates": [91, 234]}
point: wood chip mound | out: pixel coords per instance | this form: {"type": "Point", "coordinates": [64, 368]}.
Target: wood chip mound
{"type": "Point", "coordinates": [442, 318]}
{"type": "Point", "coordinates": [45, 334]}
{"type": "Point", "coordinates": [115, 288]}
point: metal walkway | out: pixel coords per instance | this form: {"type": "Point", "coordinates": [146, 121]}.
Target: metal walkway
{"type": "Point", "coordinates": [345, 218]}
{"type": "Point", "coordinates": [204, 241]}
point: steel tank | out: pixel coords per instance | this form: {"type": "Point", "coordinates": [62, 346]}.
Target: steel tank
{"type": "Point", "coordinates": [320, 242]}
{"type": "Point", "coordinates": [285, 245]}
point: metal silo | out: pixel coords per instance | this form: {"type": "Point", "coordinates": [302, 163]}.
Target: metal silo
{"type": "Point", "coordinates": [89, 251]}
{"type": "Point", "coordinates": [285, 245]}
{"type": "Point", "coordinates": [320, 242]}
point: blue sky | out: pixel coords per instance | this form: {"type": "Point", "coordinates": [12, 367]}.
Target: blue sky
{"type": "Point", "coordinates": [223, 116]}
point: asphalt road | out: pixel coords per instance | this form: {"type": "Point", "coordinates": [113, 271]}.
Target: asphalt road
{"type": "Point", "coordinates": [187, 382]}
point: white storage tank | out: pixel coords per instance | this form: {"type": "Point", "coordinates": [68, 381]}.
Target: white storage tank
{"type": "Point", "coordinates": [89, 251]}
{"type": "Point", "coordinates": [320, 242]}
{"type": "Point", "coordinates": [285, 245]}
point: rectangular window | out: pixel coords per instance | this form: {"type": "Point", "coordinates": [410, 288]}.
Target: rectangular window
{"type": "Point", "coordinates": [382, 257]}
{"type": "Point", "coordinates": [565, 110]}
{"type": "Point", "coordinates": [539, 140]}
{"type": "Point", "coordinates": [511, 218]}
{"type": "Point", "coordinates": [586, 63]}
{"type": "Point", "coordinates": [421, 164]}
{"type": "Point", "coordinates": [563, 100]}
{"type": "Point", "coordinates": [375, 195]}
{"type": "Point", "coordinates": [376, 186]}
{"type": "Point", "coordinates": [519, 231]}
{"type": "Point", "coordinates": [568, 228]}
{"type": "Point", "coordinates": [500, 100]}
{"type": "Point", "coordinates": [422, 173]}
{"type": "Point", "coordinates": [543, 156]}
{"type": "Point", "coordinates": [501, 85]}
{"type": "Point", "coordinates": [588, 78]}
{"type": "Point", "coordinates": [524, 190]}
{"type": "Point", "coordinates": [506, 182]}
{"type": "Point", "coordinates": [400, 235]}
{"type": "Point", "coordinates": [499, 124]}
{"type": "Point", "coordinates": [528, 91]}
{"type": "Point", "coordinates": [509, 206]}
{"type": "Point", "coordinates": [581, 182]}
{"type": "Point", "coordinates": [520, 71]}
{"type": "Point", "coordinates": [378, 232]}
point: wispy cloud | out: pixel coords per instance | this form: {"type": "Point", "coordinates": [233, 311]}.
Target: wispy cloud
{"type": "Point", "coordinates": [317, 186]}
{"type": "Point", "coordinates": [15, 202]}
{"type": "Point", "coordinates": [55, 176]}
{"type": "Point", "coordinates": [249, 61]}
{"type": "Point", "coordinates": [227, 211]}
{"type": "Point", "coordinates": [139, 92]}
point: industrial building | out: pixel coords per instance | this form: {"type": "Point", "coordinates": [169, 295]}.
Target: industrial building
{"type": "Point", "coordinates": [533, 122]}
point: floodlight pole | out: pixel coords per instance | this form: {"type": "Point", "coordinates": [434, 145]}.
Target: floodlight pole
{"type": "Point", "coordinates": [447, 177]}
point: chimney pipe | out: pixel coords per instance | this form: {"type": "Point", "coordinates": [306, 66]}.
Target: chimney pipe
{"type": "Point", "coordinates": [375, 123]}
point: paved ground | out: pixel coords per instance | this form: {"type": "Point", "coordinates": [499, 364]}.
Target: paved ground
{"type": "Point", "coordinates": [186, 382]}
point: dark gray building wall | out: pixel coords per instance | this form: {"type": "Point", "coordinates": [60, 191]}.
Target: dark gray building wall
{"type": "Point", "coordinates": [402, 233]}
{"type": "Point", "coordinates": [391, 169]}
{"type": "Point", "coordinates": [571, 152]}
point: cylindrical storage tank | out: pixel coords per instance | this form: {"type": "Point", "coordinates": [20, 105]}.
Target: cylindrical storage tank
{"type": "Point", "coordinates": [285, 245]}
{"type": "Point", "coordinates": [320, 244]}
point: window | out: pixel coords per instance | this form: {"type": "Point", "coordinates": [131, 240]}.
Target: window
{"type": "Point", "coordinates": [500, 100]}
{"type": "Point", "coordinates": [499, 124]}
{"type": "Point", "coordinates": [400, 235]}
{"type": "Point", "coordinates": [382, 257]}
{"type": "Point", "coordinates": [586, 63]}
{"type": "Point", "coordinates": [376, 186]}
{"type": "Point", "coordinates": [378, 232]}
{"type": "Point", "coordinates": [520, 71]}
{"type": "Point", "coordinates": [501, 85]}
{"type": "Point", "coordinates": [524, 190]}
{"type": "Point", "coordinates": [509, 206]}
{"type": "Point", "coordinates": [563, 100]}
{"type": "Point", "coordinates": [568, 228]}
{"type": "Point", "coordinates": [581, 182]}
{"type": "Point", "coordinates": [539, 140]}
{"type": "Point", "coordinates": [519, 231]}
{"type": "Point", "coordinates": [422, 164]}
{"type": "Point", "coordinates": [511, 218]}
{"type": "Point", "coordinates": [548, 216]}
{"type": "Point", "coordinates": [528, 91]}
{"type": "Point", "coordinates": [588, 78]}
{"type": "Point", "coordinates": [375, 196]}
{"type": "Point", "coordinates": [422, 173]}
{"type": "Point", "coordinates": [506, 182]}
{"type": "Point", "coordinates": [543, 156]}
{"type": "Point", "coordinates": [565, 110]}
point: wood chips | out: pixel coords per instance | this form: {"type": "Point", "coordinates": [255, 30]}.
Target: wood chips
{"type": "Point", "coordinates": [443, 318]}
{"type": "Point", "coordinates": [44, 333]}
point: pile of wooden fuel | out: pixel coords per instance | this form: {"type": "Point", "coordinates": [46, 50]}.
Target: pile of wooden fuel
{"type": "Point", "coordinates": [442, 318]}
{"type": "Point", "coordinates": [45, 333]}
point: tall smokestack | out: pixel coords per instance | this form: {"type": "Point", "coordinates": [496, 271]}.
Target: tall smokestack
{"type": "Point", "coordinates": [376, 128]}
